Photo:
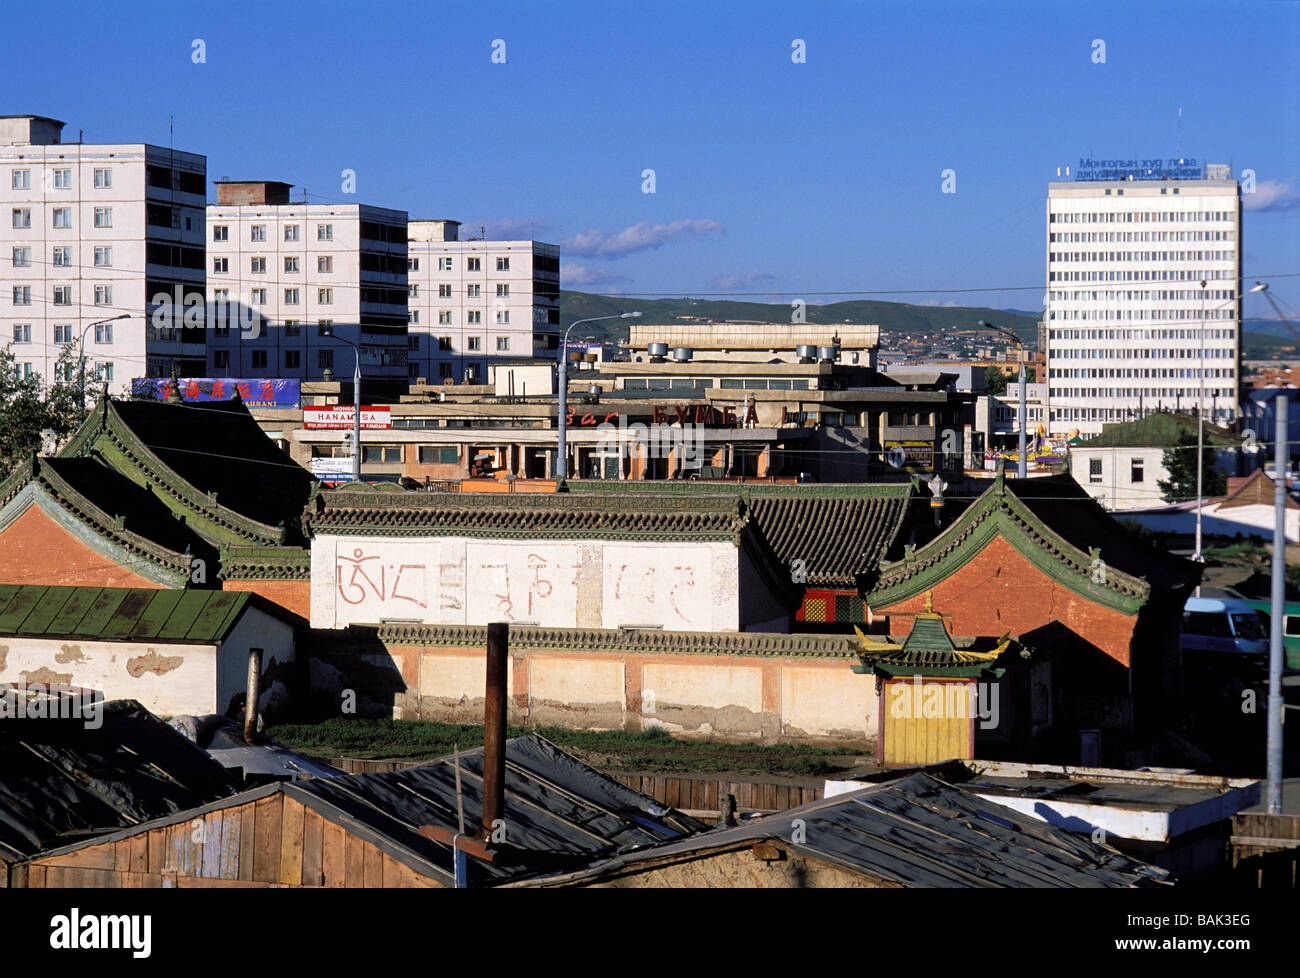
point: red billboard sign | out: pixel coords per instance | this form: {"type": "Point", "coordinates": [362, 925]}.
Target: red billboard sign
{"type": "Point", "coordinates": [341, 417]}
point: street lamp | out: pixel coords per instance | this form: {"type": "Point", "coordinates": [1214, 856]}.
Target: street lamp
{"type": "Point", "coordinates": [562, 455]}
{"type": "Point", "coordinates": [1200, 419]}
{"type": "Point", "coordinates": [81, 359]}
{"type": "Point", "coordinates": [356, 403]}
{"type": "Point", "coordinates": [1023, 470]}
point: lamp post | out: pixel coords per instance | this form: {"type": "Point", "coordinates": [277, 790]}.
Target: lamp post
{"type": "Point", "coordinates": [1023, 467]}
{"type": "Point", "coordinates": [81, 358]}
{"type": "Point", "coordinates": [356, 404]}
{"type": "Point", "coordinates": [562, 453]}
{"type": "Point", "coordinates": [1200, 420]}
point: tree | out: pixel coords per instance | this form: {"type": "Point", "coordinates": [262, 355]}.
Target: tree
{"type": "Point", "coordinates": [1180, 462]}
{"type": "Point", "coordinates": [995, 381]}
{"type": "Point", "coordinates": [35, 417]}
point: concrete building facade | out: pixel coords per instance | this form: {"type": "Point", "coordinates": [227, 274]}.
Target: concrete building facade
{"type": "Point", "coordinates": [284, 276]}
{"type": "Point", "coordinates": [1141, 274]}
{"type": "Point", "coordinates": [95, 231]}
{"type": "Point", "coordinates": [476, 301]}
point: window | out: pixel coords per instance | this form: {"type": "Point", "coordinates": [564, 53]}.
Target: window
{"type": "Point", "coordinates": [439, 454]}
{"type": "Point", "coordinates": [1136, 473]}
{"type": "Point", "coordinates": [257, 266]}
{"type": "Point", "coordinates": [325, 327]}
{"type": "Point", "coordinates": [105, 371]}
{"type": "Point", "coordinates": [474, 317]}
{"type": "Point", "coordinates": [444, 292]}
{"type": "Point", "coordinates": [293, 359]}
{"type": "Point", "coordinates": [503, 317]}
{"type": "Point", "coordinates": [381, 453]}
{"type": "Point", "coordinates": [325, 296]}
{"type": "Point", "coordinates": [444, 342]}
{"type": "Point", "coordinates": [325, 359]}
{"type": "Point", "coordinates": [257, 232]}
{"type": "Point", "coordinates": [503, 343]}
{"type": "Point", "coordinates": [292, 327]}
{"type": "Point", "coordinates": [103, 256]}
{"type": "Point", "coordinates": [325, 264]}
{"type": "Point", "coordinates": [63, 217]}
{"type": "Point", "coordinates": [444, 317]}
{"type": "Point", "coordinates": [291, 265]}
{"type": "Point", "coordinates": [220, 295]}
{"type": "Point", "coordinates": [412, 264]}
{"type": "Point", "coordinates": [63, 333]}
{"type": "Point", "coordinates": [473, 291]}
{"type": "Point", "coordinates": [1094, 470]}
{"type": "Point", "coordinates": [473, 264]}
{"type": "Point", "coordinates": [63, 295]}
{"type": "Point", "coordinates": [257, 296]}
{"type": "Point", "coordinates": [290, 297]}
{"type": "Point", "coordinates": [22, 179]}
{"type": "Point", "coordinates": [221, 266]}
{"type": "Point", "coordinates": [22, 257]}
{"type": "Point", "coordinates": [62, 179]}
{"type": "Point", "coordinates": [324, 232]}
{"type": "Point", "coordinates": [413, 316]}
{"type": "Point", "coordinates": [63, 255]}
{"type": "Point", "coordinates": [22, 295]}
{"type": "Point", "coordinates": [23, 371]}
{"type": "Point", "coordinates": [291, 232]}
{"type": "Point", "coordinates": [444, 370]}
{"type": "Point", "coordinates": [412, 291]}
{"type": "Point", "coordinates": [103, 178]}
{"type": "Point", "coordinates": [103, 217]}
{"type": "Point", "coordinates": [23, 333]}
{"type": "Point", "coordinates": [444, 264]}
{"type": "Point", "coordinates": [22, 217]}
{"type": "Point", "coordinates": [475, 343]}
{"type": "Point", "coordinates": [220, 232]}
{"type": "Point", "coordinates": [259, 359]}
{"type": "Point", "coordinates": [503, 290]}
{"type": "Point", "coordinates": [413, 342]}
{"type": "Point", "coordinates": [221, 359]}
{"type": "Point", "coordinates": [503, 264]}
{"type": "Point", "coordinates": [104, 333]}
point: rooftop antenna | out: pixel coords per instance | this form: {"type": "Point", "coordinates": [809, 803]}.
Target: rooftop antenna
{"type": "Point", "coordinates": [1179, 154]}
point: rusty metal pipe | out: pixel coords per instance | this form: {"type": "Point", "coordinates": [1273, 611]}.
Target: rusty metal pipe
{"type": "Point", "coordinates": [494, 726]}
{"type": "Point", "coordinates": [254, 693]}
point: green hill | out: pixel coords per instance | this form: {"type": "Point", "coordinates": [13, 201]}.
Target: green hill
{"type": "Point", "coordinates": [900, 316]}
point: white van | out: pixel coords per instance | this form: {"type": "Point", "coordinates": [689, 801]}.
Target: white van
{"type": "Point", "coordinates": [1224, 625]}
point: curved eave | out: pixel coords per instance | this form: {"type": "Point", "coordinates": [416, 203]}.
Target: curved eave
{"type": "Point", "coordinates": [201, 507]}
{"type": "Point", "coordinates": [1000, 514]}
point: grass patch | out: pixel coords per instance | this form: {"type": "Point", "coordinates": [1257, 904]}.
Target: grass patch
{"type": "Point", "coordinates": [654, 749]}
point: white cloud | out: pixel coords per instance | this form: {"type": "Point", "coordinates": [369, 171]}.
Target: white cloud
{"type": "Point", "coordinates": [1271, 195]}
{"type": "Point", "coordinates": [592, 242]}
{"type": "Point", "coordinates": [571, 274]}
{"type": "Point", "coordinates": [729, 282]}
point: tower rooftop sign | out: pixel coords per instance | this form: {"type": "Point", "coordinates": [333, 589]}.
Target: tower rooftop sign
{"type": "Point", "coordinates": [1173, 168]}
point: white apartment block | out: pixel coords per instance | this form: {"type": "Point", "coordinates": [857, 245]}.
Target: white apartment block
{"type": "Point", "coordinates": [475, 301]}
{"type": "Point", "coordinates": [89, 232]}
{"type": "Point", "coordinates": [1127, 313]}
{"type": "Point", "coordinates": [282, 276]}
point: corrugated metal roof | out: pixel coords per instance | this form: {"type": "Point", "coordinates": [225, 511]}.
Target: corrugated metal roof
{"type": "Point", "coordinates": [119, 614]}
{"type": "Point", "coordinates": [916, 831]}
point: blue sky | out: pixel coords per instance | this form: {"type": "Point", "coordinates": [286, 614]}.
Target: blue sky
{"type": "Point", "coordinates": [770, 176]}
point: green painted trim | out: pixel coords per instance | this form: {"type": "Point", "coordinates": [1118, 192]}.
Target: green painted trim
{"type": "Point", "coordinates": [819, 490]}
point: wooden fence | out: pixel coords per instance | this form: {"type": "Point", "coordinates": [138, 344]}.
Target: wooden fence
{"type": "Point", "coordinates": [1266, 850]}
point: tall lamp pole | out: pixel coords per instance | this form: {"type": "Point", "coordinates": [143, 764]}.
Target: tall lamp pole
{"type": "Point", "coordinates": [81, 358]}
{"type": "Point", "coordinates": [562, 453]}
{"type": "Point", "coordinates": [1023, 467]}
{"type": "Point", "coordinates": [356, 404]}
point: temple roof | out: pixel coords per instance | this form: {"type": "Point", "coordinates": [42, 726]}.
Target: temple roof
{"type": "Point", "coordinates": [1055, 525]}
{"type": "Point", "coordinates": [928, 646]}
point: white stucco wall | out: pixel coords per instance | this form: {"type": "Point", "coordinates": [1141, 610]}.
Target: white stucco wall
{"type": "Point", "coordinates": [568, 583]}
{"type": "Point", "coordinates": [276, 640]}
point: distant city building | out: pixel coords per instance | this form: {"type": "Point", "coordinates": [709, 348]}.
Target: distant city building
{"type": "Point", "coordinates": [1139, 273]}
{"type": "Point", "coordinates": [89, 232]}
{"type": "Point", "coordinates": [847, 343]}
{"type": "Point", "coordinates": [475, 301]}
{"type": "Point", "coordinates": [283, 276]}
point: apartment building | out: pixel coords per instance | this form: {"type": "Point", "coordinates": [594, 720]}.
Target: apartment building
{"type": "Point", "coordinates": [99, 241]}
{"type": "Point", "coordinates": [475, 301]}
{"type": "Point", "coordinates": [1143, 294]}
{"type": "Point", "coordinates": [292, 285]}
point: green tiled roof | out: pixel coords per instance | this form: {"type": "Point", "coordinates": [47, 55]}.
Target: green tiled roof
{"type": "Point", "coordinates": [115, 614]}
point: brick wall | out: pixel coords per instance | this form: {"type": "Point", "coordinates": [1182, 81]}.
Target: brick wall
{"type": "Point", "coordinates": [292, 595]}
{"type": "Point", "coordinates": [36, 550]}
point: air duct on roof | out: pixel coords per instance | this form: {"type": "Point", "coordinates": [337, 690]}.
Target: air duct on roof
{"type": "Point", "coordinates": [682, 354]}
{"type": "Point", "coordinates": [657, 352]}
{"type": "Point", "coordinates": [806, 353]}
{"type": "Point", "coordinates": [826, 354]}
